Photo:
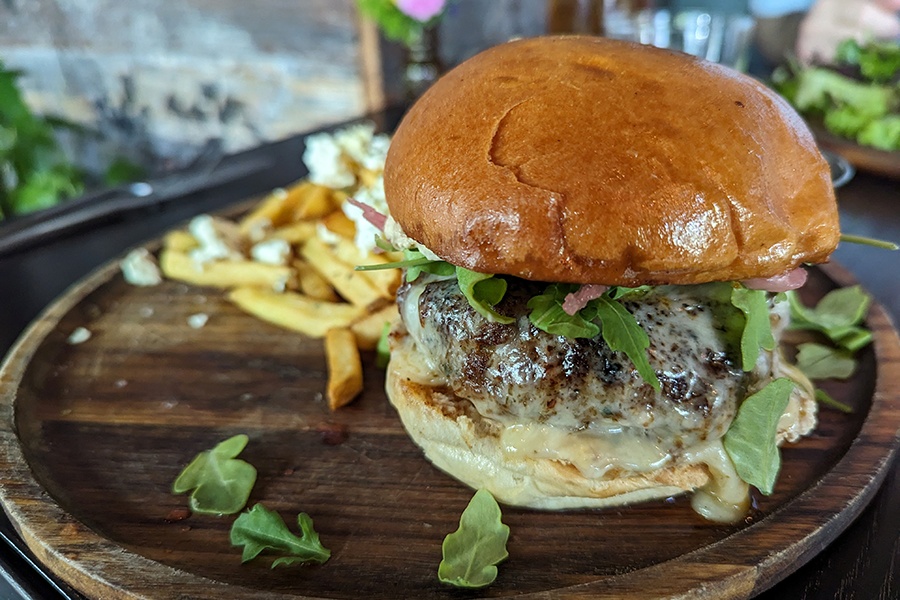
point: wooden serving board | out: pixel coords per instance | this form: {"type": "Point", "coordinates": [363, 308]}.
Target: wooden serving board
{"type": "Point", "coordinates": [93, 435]}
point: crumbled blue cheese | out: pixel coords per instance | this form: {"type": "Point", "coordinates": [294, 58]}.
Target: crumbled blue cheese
{"type": "Point", "coordinates": [217, 238]}
{"type": "Point", "coordinates": [79, 336]}
{"type": "Point", "coordinates": [258, 229]}
{"type": "Point", "coordinates": [326, 162]}
{"type": "Point", "coordinates": [280, 284]}
{"type": "Point", "coordinates": [327, 235]}
{"type": "Point", "coordinates": [271, 252]}
{"type": "Point", "coordinates": [365, 231]}
{"type": "Point", "coordinates": [333, 159]}
{"type": "Point", "coordinates": [399, 240]}
{"type": "Point", "coordinates": [140, 268]}
{"type": "Point", "coordinates": [197, 321]}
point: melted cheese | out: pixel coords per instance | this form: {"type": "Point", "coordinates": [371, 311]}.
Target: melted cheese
{"type": "Point", "coordinates": [726, 498]}
{"type": "Point", "coordinates": [592, 453]}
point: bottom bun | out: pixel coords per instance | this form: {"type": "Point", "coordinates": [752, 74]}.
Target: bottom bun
{"type": "Point", "coordinates": [457, 440]}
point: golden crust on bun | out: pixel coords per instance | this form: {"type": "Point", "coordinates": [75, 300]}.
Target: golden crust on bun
{"type": "Point", "coordinates": [588, 160]}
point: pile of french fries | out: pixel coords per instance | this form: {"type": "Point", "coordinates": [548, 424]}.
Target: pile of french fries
{"type": "Point", "coordinates": [310, 287]}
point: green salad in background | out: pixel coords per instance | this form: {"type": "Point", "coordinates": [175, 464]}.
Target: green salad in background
{"type": "Point", "coordinates": [857, 97]}
{"type": "Point", "coordinates": [35, 172]}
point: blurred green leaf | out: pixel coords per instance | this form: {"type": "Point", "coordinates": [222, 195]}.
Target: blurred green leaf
{"type": "Point", "coordinates": [122, 170]}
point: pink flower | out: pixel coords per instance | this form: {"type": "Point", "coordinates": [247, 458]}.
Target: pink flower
{"type": "Point", "coordinates": [421, 10]}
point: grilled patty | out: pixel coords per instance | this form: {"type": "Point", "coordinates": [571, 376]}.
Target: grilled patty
{"type": "Point", "coordinates": [516, 373]}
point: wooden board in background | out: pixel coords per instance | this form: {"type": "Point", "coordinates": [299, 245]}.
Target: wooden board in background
{"type": "Point", "coordinates": [92, 436]}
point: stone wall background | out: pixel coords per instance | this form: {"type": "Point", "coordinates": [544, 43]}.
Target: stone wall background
{"type": "Point", "coordinates": [159, 78]}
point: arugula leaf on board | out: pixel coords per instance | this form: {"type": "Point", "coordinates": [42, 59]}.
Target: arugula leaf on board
{"type": "Point", "coordinates": [825, 399]}
{"type": "Point", "coordinates": [221, 483]}
{"type": "Point", "coordinates": [818, 361]}
{"type": "Point", "coordinates": [837, 315]}
{"type": "Point", "coordinates": [622, 333]}
{"type": "Point", "coordinates": [547, 314]}
{"type": "Point", "coordinates": [750, 441]}
{"type": "Point", "coordinates": [261, 529]}
{"type": "Point", "coordinates": [483, 292]}
{"type": "Point", "coordinates": [471, 553]}
{"type": "Point", "coordinates": [757, 332]}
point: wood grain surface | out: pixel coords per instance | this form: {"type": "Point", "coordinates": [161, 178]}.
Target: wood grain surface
{"type": "Point", "coordinates": [92, 436]}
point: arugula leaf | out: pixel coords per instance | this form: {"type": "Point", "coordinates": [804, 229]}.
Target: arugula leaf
{"type": "Point", "coordinates": [471, 553]}
{"type": "Point", "coordinates": [620, 330]}
{"type": "Point", "coordinates": [879, 60]}
{"type": "Point", "coordinates": [483, 292]}
{"type": "Point", "coordinates": [757, 332]}
{"type": "Point", "coordinates": [846, 121]}
{"type": "Point", "coordinates": [622, 333]}
{"type": "Point", "coordinates": [750, 441]}
{"type": "Point", "coordinates": [547, 314]}
{"type": "Point", "coordinates": [384, 244]}
{"type": "Point", "coordinates": [415, 264]}
{"type": "Point", "coordinates": [836, 315]}
{"type": "Point", "coordinates": [882, 133]}
{"type": "Point", "coordinates": [221, 483]}
{"type": "Point", "coordinates": [847, 52]}
{"type": "Point", "coordinates": [823, 398]}
{"type": "Point", "coordinates": [259, 529]}
{"type": "Point", "coordinates": [383, 348]}
{"type": "Point", "coordinates": [855, 339]}
{"type": "Point", "coordinates": [823, 362]}
{"type": "Point", "coordinates": [620, 291]}
{"type": "Point", "coordinates": [434, 267]}
{"type": "Point", "coordinates": [867, 241]}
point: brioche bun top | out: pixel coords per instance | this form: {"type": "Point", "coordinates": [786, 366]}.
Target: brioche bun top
{"type": "Point", "coordinates": [588, 160]}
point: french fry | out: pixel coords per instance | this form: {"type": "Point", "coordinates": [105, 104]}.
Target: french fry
{"type": "Point", "coordinates": [312, 284]}
{"type": "Point", "coordinates": [345, 377]}
{"type": "Point", "coordinates": [386, 281]}
{"type": "Point", "coordinates": [180, 241]}
{"type": "Point", "coordinates": [337, 222]}
{"type": "Point", "coordinates": [367, 177]}
{"type": "Point", "coordinates": [225, 273]}
{"type": "Point", "coordinates": [339, 197]}
{"type": "Point", "coordinates": [301, 200]}
{"type": "Point", "coordinates": [295, 233]}
{"type": "Point", "coordinates": [368, 328]}
{"type": "Point", "coordinates": [270, 212]}
{"type": "Point", "coordinates": [295, 311]}
{"type": "Point", "coordinates": [350, 284]}
{"type": "Point", "coordinates": [312, 201]}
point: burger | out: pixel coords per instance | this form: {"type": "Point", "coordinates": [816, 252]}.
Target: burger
{"type": "Point", "coordinates": [596, 235]}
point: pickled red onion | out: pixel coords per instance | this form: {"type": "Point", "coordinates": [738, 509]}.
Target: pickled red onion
{"type": "Point", "coordinates": [779, 283]}
{"type": "Point", "coordinates": [579, 299]}
{"type": "Point", "coordinates": [370, 214]}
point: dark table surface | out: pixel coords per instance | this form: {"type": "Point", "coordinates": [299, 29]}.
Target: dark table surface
{"type": "Point", "coordinates": [863, 563]}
